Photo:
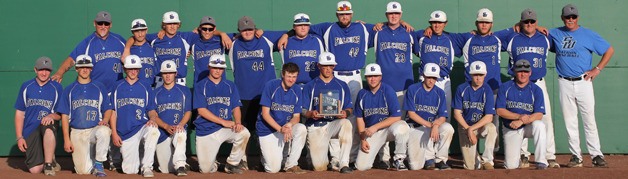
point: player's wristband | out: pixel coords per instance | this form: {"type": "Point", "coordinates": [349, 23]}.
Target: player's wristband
{"type": "Point", "coordinates": [598, 68]}
{"type": "Point", "coordinates": [18, 139]}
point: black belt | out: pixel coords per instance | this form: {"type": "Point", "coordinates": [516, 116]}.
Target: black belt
{"type": "Point", "coordinates": [348, 73]}
{"type": "Point", "coordinates": [319, 123]}
{"type": "Point", "coordinates": [540, 79]}
{"type": "Point", "coordinates": [414, 125]}
{"type": "Point", "coordinates": [571, 78]}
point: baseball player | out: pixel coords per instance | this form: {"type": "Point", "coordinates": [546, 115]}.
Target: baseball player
{"type": "Point", "coordinates": [321, 129]}
{"type": "Point", "coordinates": [173, 111]}
{"type": "Point", "coordinates": [104, 47]}
{"type": "Point", "coordinates": [430, 133]}
{"type": "Point", "coordinates": [144, 51]}
{"type": "Point", "coordinates": [35, 117]}
{"type": "Point", "coordinates": [219, 120]}
{"type": "Point", "coordinates": [520, 107]}
{"type": "Point", "coordinates": [379, 120]}
{"type": "Point", "coordinates": [282, 137]}
{"type": "Point", "coordinates": [86, 109]}
{"type": "Point", "coordinates": [208, 45]}
{"type": "Point", "coordinates": [534, 46]}
{"type": "Point", "coordinates": [573, 45]}
{"type": "Point", "coordinates": [473, 110]}
{"type": "Point", "coordinates": [130, 126]}
{"type": "Point", "coordinates": [303, 49]}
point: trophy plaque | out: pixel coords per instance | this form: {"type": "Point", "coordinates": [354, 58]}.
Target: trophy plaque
{"type": "Point", "coordinates": [329, 103]}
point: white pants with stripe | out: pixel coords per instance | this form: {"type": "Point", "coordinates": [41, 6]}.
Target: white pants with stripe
{"type": "Point", "coordinates": [169, 161]}
{"type": "Point", "coordinates": [207, 148]}
{"type": "Point", "coordinates": [275, 151]}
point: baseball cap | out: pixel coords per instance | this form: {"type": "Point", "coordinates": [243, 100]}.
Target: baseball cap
{"type": "Point", "coordinates": [522, 65]}
{"type": "Point", "coordinates": [528, 14]}
{"type": "Point", "coordinates": [301, 18]}
{"type": "Point", "coordinates": [103, 16]}
{"type": "Point", "coordinates": [138, 24]}
{"type": "Point", "coordinates": [246, 23]}
{"type": "Point", "coordinates": [485, 15]}
{"type": "Point", "coordinates": [431, 70]}
{"type": "Point", "coordinates": [373, 70]}
{"type": "Point", "coordinates": [393, 7]}
{"type": "Point", "coordinates": [171, 17]}
{"type": "Point", "coordinates": [132, 61]}
{"type": "Point", "coordinates": [208, 20]}
{"type": "Point", "coordinates": [438, 16]}
{"type": "Point", "coordinates": [83, 61]}
{"type": "Point", "coordinates": [327, 58]}
{"type": "Point", "coordinates": [570, 9]}
{"type": "Point", "coordinates": [344, 7]}
{"type": "Point", "coordinates": [477, 67]}
{"type": "Point", "coordinates": [217, 61]}
{"type": "Point", "coordinates": [43, 63]}
{"type": "Point", "coordinates": [168, 66]}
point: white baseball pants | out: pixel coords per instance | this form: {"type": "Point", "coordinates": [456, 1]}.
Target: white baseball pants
{"type": "Point", "coordinates": [130, 150]}
{"type": "Point", "coordinates": [169, 162]}
{"type": "Point", "coordinates": [397, 132]}
{"type": "Point", "coordinates": [207, 148]}
{"type": "Point", "coordinates": [83, 141]}
{"type": "Point", "coordinates": [512, 142]}
{"type": "Point", "coordinates": [275, 151]}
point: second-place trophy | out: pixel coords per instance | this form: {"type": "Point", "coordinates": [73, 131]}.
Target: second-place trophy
{"type": "Point", "coordinates": [329, 103]}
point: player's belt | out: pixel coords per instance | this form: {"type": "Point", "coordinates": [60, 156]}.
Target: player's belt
{"type": "Point", "coordinates": [442, 78]}
{"type": "Point", "coordinates": [571, 78]}
{"type": "Point", "coordinates": [534, 81]}
{"type": "Point", "coordinates": [348, 73]}
{"type": "Point", "coordinates": [414, 125]}
{"type": "Point", "coordinates": [319, 123]}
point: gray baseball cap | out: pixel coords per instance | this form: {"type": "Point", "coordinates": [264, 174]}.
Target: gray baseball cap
{"type": "Point", "coordinates": [246, 22]}
{"type": "Point", "coordinates": [522, 65]}
{"type": "Point", "coordinates": [103, 16]}
{"type": "Point", "coordinates": [208, 20]}
{"type": "Point", "coordinates": [528, 14]}
{"type": "Point", "coordinates": [570, 9]}
{"type": "Point", "coordinates": [43, 63]}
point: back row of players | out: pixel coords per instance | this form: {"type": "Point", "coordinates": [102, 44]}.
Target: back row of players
{"type": "Point", "coordinates": [227, 110]}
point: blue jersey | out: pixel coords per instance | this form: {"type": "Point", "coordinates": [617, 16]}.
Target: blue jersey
{"type": "Point", "coordinates": [172, 105]}
{"type": "Point", "coordinates": [105, 55]}
{"type": "Point", "coordinates": [37, 102]}
{"type": "Point", "coordinates": [485, 49]}
{"type": "Point", "coordinates": [219, 99]}
{"type": "Point", "coordinates": [85, 104]}
{"type": "Point", "coordinates": [439, 49]}
{"type": "Point", "coordinates": [283, 105]}
{"type": "Point", "coordinates": [526, 100]}
{"type": "Point", "coordinates": [474, 104]}
{"type": "Point", "coordinates": [349, 44]}
{"type": "Point", "coordinates": [149, 70]}
{"type": "Point", "coordinates": [253, 64]}
{"type": "Point", "coordinates": [131, 102]}
{"type": "Point", "coordinates": [393, 52]}
{"type": "Point", "coordinates": [430, 105]}
{"type": "Point", "coordinates": [533, 49]}
{"type": "Point", "coordinates": [313, 89]}
{"type": "Point", "coordinates": [304, 53]}
{"type": "Point", "coordinates": [201, 51]}
{"type": "Point", "coordinates": [374, 108]}
{"type": "Point", "coordinates": [573, 50]}
{"type": "Point", "coordinates": [175, 49]}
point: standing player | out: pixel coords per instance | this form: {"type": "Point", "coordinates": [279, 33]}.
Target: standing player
{"type": "Point", "coordinates": [129, 124]}
{"type": "Point", "coordinates": [86, 109]}
{"type": "Point", "coordinates": [430, 133]}
{"type": "Point", "coordinates": [144, 51]}
{"type": "Point", "coordinates": [282, 137]}
{"type": "Point", "coordinates": [104, 47]}
{"type": "Point", "coordinates": [173, 111]}
{"type": "Point", "coordinates": [534, 46]}
{"type": "Point", "coordinates": [379, 120]}
{"type": "Point", "coordinates": [35, 117]}
{"type": "Point", "coordinates": [321, 129]}
{"type": "Point", "coordinates": [573, 46]}
{"type": "Point", "coordinates": [303, 49]}
{"type": "Point", "coordinates": [218, 103]}
{"type": "Point", "coordinates": [473, 110]}
{"type": "Point", "coordinates": [520, 106]}
{"type": "Point", "coordinates": [208, 45]}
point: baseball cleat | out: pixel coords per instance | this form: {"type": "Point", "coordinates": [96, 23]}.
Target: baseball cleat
{"type": "Point", "coordinates": [598, 161]}
{"type": "Point", "coordinates": [574, 162]}
{"type": "Point", "coordinates": [49, 169]}
{"type": "Point", "coordinates": [553, 164]}
{"type": "Point", "coordinates": [524, 162]}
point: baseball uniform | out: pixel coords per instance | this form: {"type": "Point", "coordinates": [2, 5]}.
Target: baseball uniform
{"type": "Point", "coordinates": [105, 54]}
{"type": "Point", "coordinates": [148, 58]}
{"type": "Point", "coordinates": [201, 51]}
{"type": "Point", "coordinates": [172, 104]}
{"type": "Point", "coordinates": [303, 52]}
{"type": "Point", "coordinates": [173, 48]}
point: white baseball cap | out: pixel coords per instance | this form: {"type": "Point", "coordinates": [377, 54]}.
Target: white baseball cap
{"type": "Point", "coordinates": [431, 70]}
{"type": "Point", "coordinates": [393, 7]}
{"type": "Point", "coordinates": [344, 7]}
{"type": "Point", "coordinates": [83, 61]}
{"type": "Point", "coordinates": [477, 67]}
{"type": "Point", "coordinates": [301, 18]}
{"type": "Point", "coordinates": [485, 15]}
{"type": "Point", "coordinates": [373, 70]}
{"type": "Point", "coordinates": [438, 16]}
{"type": "Point", "coordinates": [171, 17]}
{"type": "Point", "coordinates": [217, 61]}
{"type": "Point", "coordinates": [138, 24]}
{"type": "Point", "coordinates": [327, 58]}
{"type": "Point", "coordinates": [168, 66]}
{"type": "Point", "coordinates": [132, 61]}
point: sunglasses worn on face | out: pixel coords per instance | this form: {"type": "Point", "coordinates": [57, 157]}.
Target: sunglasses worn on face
{"type": "Point", "coordinates": [206, 29]}
{"type": "Point", "coordinates": [571, 17]}
{"type": "Point", "coordinates": [529, 21]}
{"type": "Point", "coordinates": [103, 23]}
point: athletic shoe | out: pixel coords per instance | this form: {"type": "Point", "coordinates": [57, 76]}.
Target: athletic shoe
{"type": "Point", "coordinates": [398, 165]}
{"type": "Point", "coordinates": [346, 170]}
{"type": "Point", "coordinates": [99, 170]}
{"type": "Point", "coordinates": [487, 166]}
{"type": "Point", "coordinates": [147, 173]}
{"type": "Point", "coordinates": [541, 166]}
{"type": "Point", "coordinates": [49, 169]}
{"type": "Point", "coordinates": [524, 162]}
{"type": "Point", "coordinates": [430, 165]}
{"type": "Point", "coordinates": [232, 169]}
{"type": "Point", "coordinates": [383, 165]}
{"type": "Point", "coordinates": [112, 167]}
{"type": "Point", "coordinates": [574, 162]}
{"type": "Point", "coordinates": [56, 165]}
{"type": "Point", "coordinates": [553, 164]}
{"type": "Point", "coordinates": [442, 166]}
{"type": "Point", "coordinates": [334, 165]}
{"type": "Point", "coordinates": [296, 170]}
{"type": "Point", "coordinates": [244, 165]}
{"type": "Point", "coordinates": [598, 161]}
{"type": "Point", "coordinates": [181, 171]}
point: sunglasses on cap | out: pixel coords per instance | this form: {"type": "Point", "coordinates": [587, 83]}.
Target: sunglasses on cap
{"type": "Point", "coordinates": [301, 20]}
{"type": "Point", "coordinates": [218, 62]}
{"type": "Point", "coordinates": [103, 23]}
{"type": "Point", "coordinates": [529, 21]}
{"type": "Point", "coordinates": [344, 8]}
{"type": "Point", "coordinates": [83, 61]}
{"type": "Point", "coordinates": [571, 17]}
{"type": "Point", "coordinates": [138, 25]}
{"type": "Point", "coordinates": [523, 66]}
{"type": "Point", "coordinates": [206, 29]}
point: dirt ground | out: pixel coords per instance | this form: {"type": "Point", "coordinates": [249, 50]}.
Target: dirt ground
{"type": "Point", "coordinates": [13, 167]}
